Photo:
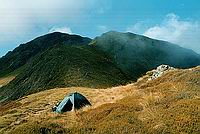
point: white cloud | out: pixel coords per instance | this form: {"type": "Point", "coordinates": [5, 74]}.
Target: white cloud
{"type": "Point", "coordinates": [22, 20]}
{"type": "Point", "coordinates": [20, 16]}
{"type": "Point", "coordinates": [102, 28]}
{"type": "Point", "coordinates": [23, 15]}
{"type": "Point", "coordinates": [136, 28]}
{"type": "Point", "coordinates": [62, 30]}
{"type": "Point", "coordinates": [186, 33]}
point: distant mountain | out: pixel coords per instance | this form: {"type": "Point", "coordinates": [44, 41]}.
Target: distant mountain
{"type": "Point", "coordinates": [64, 65]}
{"type": "Point", "coordinates": [63, 60]}
{"type": "Point", "coordinates": [20, 55]}
{"type": "Point", "coordinates": [136, 54]}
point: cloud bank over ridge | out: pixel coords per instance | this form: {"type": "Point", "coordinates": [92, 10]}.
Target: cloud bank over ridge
{"type": "Point", "coordinates": [23, 20]}
{"type": "Point", "coordinates": [186, 33]}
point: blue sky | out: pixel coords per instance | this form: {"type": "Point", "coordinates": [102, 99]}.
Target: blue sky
{"type": "Point", "coordinates": [176, 21]}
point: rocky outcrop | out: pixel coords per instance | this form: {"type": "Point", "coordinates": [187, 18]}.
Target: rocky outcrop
{"type": "Point", "coordinates": [159, 71]}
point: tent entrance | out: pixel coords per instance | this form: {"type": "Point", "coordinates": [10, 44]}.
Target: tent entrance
{"type": "Point", "coordinates": [68, 106]}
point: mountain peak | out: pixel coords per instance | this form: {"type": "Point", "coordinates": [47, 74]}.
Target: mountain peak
{"type": "Point", "coordinates": [20, 55]}
{"type": "Point", "coordinates": [136, 54]}
{"type": "Point", "coordinates": [63, 60]}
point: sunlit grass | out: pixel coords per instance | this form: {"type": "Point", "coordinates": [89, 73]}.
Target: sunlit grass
{"type": "Point", "coordinates": [169, 104]}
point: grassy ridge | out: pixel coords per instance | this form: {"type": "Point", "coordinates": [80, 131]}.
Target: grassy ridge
{"type": "Point", "coordinates": [169, 104]}
{"type": "Point", "coordinates": [65, 66]}
{"type": "Point", "coordinates": [20, 55]}
{"type": "Point", "coordinates": [62, 60]}
{"type": "Point", "coordinates": [136, 54]}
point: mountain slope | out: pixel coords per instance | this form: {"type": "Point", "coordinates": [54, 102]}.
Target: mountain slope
{"type": "Point", "coordinates": [168, 104]}
{"type": "Point", "coordinates": [20, 55]}
{"type": "Point", "coordinates": [136, 54]}
{"type": "Point", "coordinates": [64, 66]}
{"type": "Point", "coordinates": [62, 60]}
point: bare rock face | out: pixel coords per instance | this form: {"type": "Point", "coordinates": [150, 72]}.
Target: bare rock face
{"type": "Point", "coordinates": [159, 71]}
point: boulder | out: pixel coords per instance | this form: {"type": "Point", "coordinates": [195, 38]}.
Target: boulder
{"type": "Point", "coordinates": [159, 71]}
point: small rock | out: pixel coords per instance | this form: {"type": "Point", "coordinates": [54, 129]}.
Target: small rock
{"type": "Point", "coordinates": [159, 71]}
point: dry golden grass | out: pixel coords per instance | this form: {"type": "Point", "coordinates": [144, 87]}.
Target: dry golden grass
{"type": "Point", "coordinates": [168, 104]}
{"type": "Point", "coordinates": [37, 107]}
{"type": "Point", "coordinates": [5, 80]}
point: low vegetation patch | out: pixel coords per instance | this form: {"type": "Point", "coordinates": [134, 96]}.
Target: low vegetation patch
{"type": "Point", "coordinates": [163, 105]}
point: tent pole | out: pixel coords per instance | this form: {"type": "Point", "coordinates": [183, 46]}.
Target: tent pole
{"type": "Point", "coordinates": [73, 103]}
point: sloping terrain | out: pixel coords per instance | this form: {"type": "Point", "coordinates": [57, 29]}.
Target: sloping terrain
{"type": "Point", "coordinates": [62, 60]}
{"type": "Point", "coordinates": [64, 66]}
{"type": "Point", "coordinates": [168, 104]}
{"type": "Point", "coordinates": [136, 54]}
{"type": "Point", "coordinates": [20, 55]}
{"type": "Point", "coordinates": [5, 80]}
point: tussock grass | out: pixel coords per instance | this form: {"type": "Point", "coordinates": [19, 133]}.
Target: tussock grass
{"type": "Point", "coordinates": [169, 104]}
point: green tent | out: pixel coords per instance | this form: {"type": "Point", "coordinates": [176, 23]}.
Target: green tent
{"type": "Point", "coordinates": [73, 101]}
